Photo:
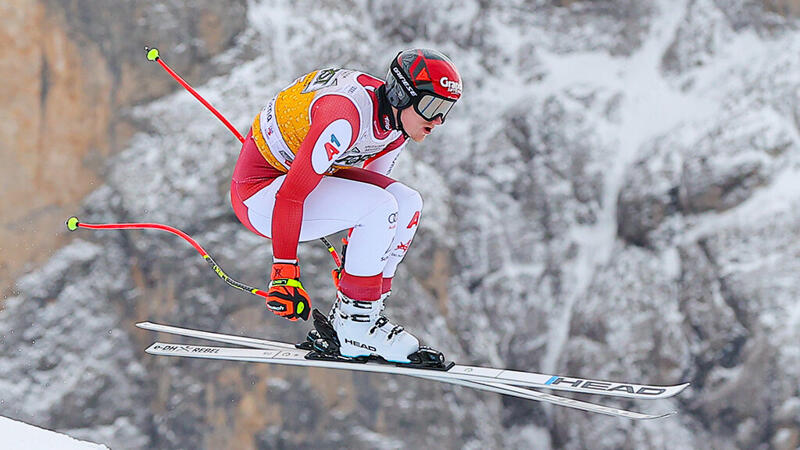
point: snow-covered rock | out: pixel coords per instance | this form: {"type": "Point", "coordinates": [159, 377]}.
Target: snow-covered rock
{"type": "Point", "coordinates": [616, 196]}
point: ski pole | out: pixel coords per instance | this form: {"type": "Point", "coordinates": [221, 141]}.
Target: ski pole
{"type": "Point", "coordinates": [153, 55]}
{"type": "Point", "coordinates": [73, 224]}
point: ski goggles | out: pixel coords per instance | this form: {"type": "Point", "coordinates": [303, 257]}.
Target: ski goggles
{"type": "Point", "coordinates": [430, 106]}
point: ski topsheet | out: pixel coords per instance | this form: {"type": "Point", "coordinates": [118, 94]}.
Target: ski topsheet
{"type": "Point", "coordinates": [273, 347]}
{"type": "Point", "coordinates": [297, 358]}
{"type": "Point", "coordinates": [292, 356]}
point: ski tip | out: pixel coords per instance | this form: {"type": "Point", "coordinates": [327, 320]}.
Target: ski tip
{"type": "Point", "coordinates": [145, 325]}
{"type": "Point", "coordinates": [72, 223]}
{"type": "Point", "coordinates": [681, 387]}
{"type": "Point", "coordinates": [669, 391]}
{"type": "Point", "coordinates": [643, 416]}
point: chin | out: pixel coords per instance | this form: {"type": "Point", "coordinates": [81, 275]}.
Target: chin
{"type": "Point", "coordinates": [418, 138]}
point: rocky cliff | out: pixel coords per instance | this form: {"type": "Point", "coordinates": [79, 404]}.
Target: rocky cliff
{"type": "Point", "coordinates": [70, 72]}
{"type": "Point", "coordinates": [616, 195]}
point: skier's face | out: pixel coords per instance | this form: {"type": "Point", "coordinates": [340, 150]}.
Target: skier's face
{"type": "Point", "coordinates": [416, 126]}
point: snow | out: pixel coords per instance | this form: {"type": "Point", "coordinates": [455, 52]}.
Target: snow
{"type": "Point", "coordinates": [16, 435]}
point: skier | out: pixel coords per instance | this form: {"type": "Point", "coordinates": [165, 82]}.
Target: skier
{"type": "Point", "coordinates": [298, 178]}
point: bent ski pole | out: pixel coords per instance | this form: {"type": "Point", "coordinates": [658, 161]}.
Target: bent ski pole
{"type": "Point", "coordinates": [153, 55]}
{"type": "Point", "coordinates": [73, 224]}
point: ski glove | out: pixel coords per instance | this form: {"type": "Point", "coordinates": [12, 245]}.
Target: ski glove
{"type": "Point", "coordinates": [286, 296]}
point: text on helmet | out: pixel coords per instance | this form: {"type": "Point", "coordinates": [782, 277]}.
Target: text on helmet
{"type": "Point", "coordinates": [453, 87]}
{"type": "Point", "coordinates": [399, 75]}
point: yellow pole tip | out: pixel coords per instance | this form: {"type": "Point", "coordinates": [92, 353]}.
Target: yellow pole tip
{"type": "Point", "coordinates": [152, 54]}
{"type": "Point", "coordinates": [72, 223]}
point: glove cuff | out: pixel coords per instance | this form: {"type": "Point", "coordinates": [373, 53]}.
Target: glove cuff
{"type": "Point", "coordinates": [285, 271]}
{"type": "Point", "coordinates": [286, 282]}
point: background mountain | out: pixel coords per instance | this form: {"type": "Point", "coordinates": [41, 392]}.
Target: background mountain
{"type": "Point", "coordinates": [617, 195]}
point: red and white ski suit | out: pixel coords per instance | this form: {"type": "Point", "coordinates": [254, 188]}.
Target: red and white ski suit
{"type": "Point", "coordinates": [298, 177]}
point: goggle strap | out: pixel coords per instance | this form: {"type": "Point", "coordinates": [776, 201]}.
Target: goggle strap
{"type": "Point", "coordinates": [404, 82]}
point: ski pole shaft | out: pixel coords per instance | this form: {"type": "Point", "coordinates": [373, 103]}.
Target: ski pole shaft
{"type": "Point", "coordinates": [73, 224]}
{"type": "Point", "coordinates": [332, 249]}
{"type": "Point", "coordinates": [153, 55]}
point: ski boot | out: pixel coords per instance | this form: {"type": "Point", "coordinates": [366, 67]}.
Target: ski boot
{"type": "Point", "coordinates": [363, 331]}
{"type": "Point", "coordinates": [356, 331]}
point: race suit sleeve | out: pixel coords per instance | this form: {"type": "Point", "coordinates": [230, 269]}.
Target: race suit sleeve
{"type": "Point", "coordinates": [383, 162]}
{"type": "Point", "coordinates": [334, 129]}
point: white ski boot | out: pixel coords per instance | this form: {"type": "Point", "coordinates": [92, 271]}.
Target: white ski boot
{"type": "Point", "coordinates": [363, 331]}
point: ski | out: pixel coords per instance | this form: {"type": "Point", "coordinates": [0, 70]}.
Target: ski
{"type": "Point", "coordinates": [290, 356]}
{"type": "Point", "coordinates": [468, 373]}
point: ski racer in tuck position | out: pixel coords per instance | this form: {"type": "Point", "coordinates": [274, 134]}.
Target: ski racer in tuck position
{"type": "Point", "coordinates": [296, 179]}
{"type": "Point", "coordinates": [317, 160]}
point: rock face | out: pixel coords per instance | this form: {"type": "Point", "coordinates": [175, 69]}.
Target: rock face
{"type": "Point", "coordinates": [615, 195]}
{"type": "Point", "coordinates": [70, 71]}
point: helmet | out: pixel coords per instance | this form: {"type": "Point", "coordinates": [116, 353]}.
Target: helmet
{"type": "Point", "coordinates": [425, 79]}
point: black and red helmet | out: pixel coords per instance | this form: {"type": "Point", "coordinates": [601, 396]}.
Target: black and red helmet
{"type": "Point", "coordinates": [425, 79]}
